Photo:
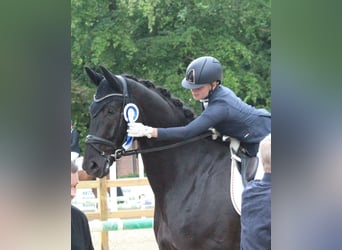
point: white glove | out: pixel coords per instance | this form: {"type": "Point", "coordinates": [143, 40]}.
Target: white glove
{"type": "Point", "coordinates": [137, 129]}
{"type": "Point", "coordinates": [215, 134]}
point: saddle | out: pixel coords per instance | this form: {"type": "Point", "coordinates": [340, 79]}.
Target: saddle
{"type": "Point", "coordinates": [243, 169]}
{"type": "Point", "coordinates": [246, 164]}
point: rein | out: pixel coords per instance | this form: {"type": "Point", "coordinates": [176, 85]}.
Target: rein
{"type": "Point", "coordinates": [161, 148]}
{"type": "Point", "coordinates": [122, 152]}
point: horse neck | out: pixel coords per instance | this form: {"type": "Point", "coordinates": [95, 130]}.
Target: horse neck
{"type": "Point", "coordinates": [154, 109]}
{"type": "Point", "coordinates": [190, 163]}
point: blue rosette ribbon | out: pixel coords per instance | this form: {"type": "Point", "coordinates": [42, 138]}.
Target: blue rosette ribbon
{"type": "Point", "coordinates": [131, 114]}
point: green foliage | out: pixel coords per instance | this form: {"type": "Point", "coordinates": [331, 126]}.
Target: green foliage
{"type": "Point", "coordinates": [81, 97]}
{"type": "Point", "coordinates": [157, 39]}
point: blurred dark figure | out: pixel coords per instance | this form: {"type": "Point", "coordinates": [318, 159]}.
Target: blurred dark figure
{"type": "Point", "coordinates": [74, 147]}
{"type": "Point", "coordinates": [80, 232]}
{"type": "Point", "coordinates": [256, 205]}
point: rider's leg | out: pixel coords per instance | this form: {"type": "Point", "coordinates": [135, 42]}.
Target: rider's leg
{"type": "Point", "coordinates": [249, 161]}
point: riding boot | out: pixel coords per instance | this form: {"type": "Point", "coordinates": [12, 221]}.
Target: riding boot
{"type": "Point", "coordinates": [247, 167]}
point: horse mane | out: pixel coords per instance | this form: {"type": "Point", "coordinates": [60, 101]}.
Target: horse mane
{"type": "Point", "coordinates": [188, 112]}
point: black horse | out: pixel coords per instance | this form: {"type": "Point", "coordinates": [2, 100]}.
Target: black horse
{"type": "Point", "coordinates": [190, 181]}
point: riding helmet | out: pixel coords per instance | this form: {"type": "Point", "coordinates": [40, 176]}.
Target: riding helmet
{"type": "Point", "coordinates": [201, 71]}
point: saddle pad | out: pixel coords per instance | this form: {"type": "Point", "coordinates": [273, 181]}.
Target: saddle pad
{"type": "Point", "coordinates": [236, 187]}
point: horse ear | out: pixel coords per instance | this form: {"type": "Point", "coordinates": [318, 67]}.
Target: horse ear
{"type": "Point", "coordinates": [94, 76]}
{"type": "Point", "coordinates": [108, 75]}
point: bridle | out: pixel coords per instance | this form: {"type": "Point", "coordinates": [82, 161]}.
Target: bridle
{"type": "Point", "coordinates": [93, 140]}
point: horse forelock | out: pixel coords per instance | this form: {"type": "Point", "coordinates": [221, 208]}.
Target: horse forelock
{"type": "Point", "coordinates": [105, 88]}
{"type": "Point", "coordinates": [166, 94]}
{"type": "Point", "coordinates": [96, 107]}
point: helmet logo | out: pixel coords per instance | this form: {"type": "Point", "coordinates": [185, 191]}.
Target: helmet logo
{"type": "Point", "coordinates": [190, 76]}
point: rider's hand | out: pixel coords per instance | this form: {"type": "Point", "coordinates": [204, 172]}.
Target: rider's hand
{"type": "Point", "coordinates": [215, 134]}
{"type": "Point", "coordinates": [137, 129]}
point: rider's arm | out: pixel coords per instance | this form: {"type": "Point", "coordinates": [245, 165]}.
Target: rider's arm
{"type": "Point", "coordinates": [209, 118]}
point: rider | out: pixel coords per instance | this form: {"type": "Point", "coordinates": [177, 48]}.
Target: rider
{"type": "Point", "coordinates": [222, 110]}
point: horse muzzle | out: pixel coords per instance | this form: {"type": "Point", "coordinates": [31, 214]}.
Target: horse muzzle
{"type": "Point", "coordinates": [98, 169]}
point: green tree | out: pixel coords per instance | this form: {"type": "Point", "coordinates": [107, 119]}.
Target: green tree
{"type": "Point", "coordinates": [81, 96]}
{"type": "Point", "coordinates": [157, 39]}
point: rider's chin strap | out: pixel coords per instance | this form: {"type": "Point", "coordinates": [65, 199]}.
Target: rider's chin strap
{"type": "Point", "coordinates": [204, 103]}
{"type": "Point", "coordinates": [212, 89]}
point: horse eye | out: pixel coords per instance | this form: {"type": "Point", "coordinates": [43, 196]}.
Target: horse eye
{"type": "Point", "coordinates": [111, 111]}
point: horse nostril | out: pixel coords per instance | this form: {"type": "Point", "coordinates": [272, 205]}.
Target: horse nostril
{"type": "Point", "coordinates": [92, 166]}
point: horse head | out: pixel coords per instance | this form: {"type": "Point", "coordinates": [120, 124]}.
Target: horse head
{"type": "Point", "coordinates": [106, 113]}
{"type": "Point", "coordinates": [107, 130]}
